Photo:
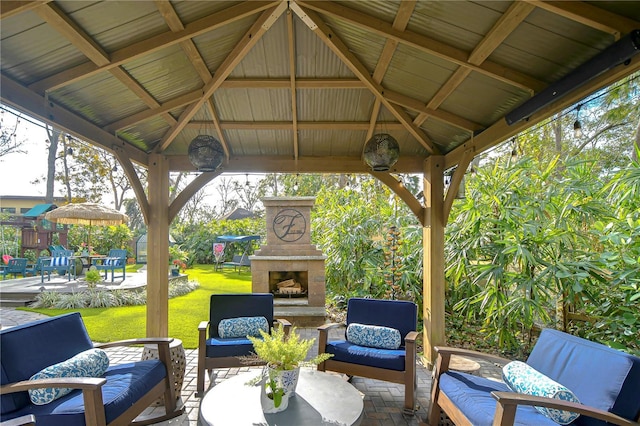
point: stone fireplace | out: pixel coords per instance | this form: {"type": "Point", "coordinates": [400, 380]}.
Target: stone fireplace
{"type": "Point", "coordinates": [288, 265]}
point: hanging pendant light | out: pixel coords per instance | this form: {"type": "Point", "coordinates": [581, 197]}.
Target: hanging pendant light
{"type": "Point", "coordinates": [577, 126]}
{"type": "Point", "coordinates": [381, 152]}
{"type": "Point", "coordinates": [206, 153]}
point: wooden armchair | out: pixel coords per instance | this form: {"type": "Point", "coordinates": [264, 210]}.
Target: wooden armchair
{"type": "Point", "coordinates": [606, 383]}
{"type": "Point", "coordinates": [116, 397]}
{"type": "Point", "coordinates": [392, 365]}
{"type": "Point", "coordinates": [218, 352]}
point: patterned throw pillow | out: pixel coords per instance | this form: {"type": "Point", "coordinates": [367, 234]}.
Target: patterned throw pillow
{"type": "Point", "coordinates": [522, 378]}
{"type": "Point", "coordinates": [90, 363]}
{"type": "Point", "coordinates": [373, 336]}
{"type": "Point", "coordinates": [59, 261]}
{"type": "Point", "coordinates": [242, 327]}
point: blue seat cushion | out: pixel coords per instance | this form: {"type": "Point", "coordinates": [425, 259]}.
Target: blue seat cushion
{"type": "Point", "coordinates": [389, 359]}
{"type": "Point", "coordinates": [236, 346]}
{"type": "Point", "coordinates": [126, 384]}
{"type": "Point", "coordinates": [472, 395]}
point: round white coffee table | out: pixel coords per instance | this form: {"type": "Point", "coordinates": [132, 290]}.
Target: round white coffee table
{"type": "Point", "coordinates": [320, 399]}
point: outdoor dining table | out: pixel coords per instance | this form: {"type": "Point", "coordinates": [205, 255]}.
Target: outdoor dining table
{"type": "Point", "coordinates": [86, 260]}
{"type": "Point", "coordinates": [320, 399]}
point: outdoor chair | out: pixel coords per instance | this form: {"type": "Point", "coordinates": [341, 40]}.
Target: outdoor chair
{"type": "Point", "coordinates": [232, 311]}
{"type": "Point", "coordinates": [380, 343]}
{"type": "Point", "coordinates": [34, 269]}
{"type": "Point", "coordinates": [53, 371]}
{"type": "Point", "coordinates": [59, 261]}
{"type": "Point", "coordinates": [563, 376]}
{"type": "Point", "coordinates": [15, 266]}
{"type": "Point", "coordinates": [117, 259]}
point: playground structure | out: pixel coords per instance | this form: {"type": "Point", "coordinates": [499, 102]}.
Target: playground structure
{"type": "Point", "coordinates": [36, 233]}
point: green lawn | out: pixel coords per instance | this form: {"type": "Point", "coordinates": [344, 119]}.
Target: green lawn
{"type": "Point", "coordinates": [185, 312]}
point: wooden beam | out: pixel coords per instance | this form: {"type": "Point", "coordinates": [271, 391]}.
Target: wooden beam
{"type": "Point", "coordinates": [454, 185]}
{"type": "Point", "coordinates": [301, 83]}
{"type": "Point", "coordinates": [292, 83]}
{"type": "Point", "coordinates": [286, 164]}
{"type": "Point", "coordinates": [287, 125]}
{"type": "Point", "coordinates": [216, 123]}
{"type": "Point", "coordinates": [187, 98]}
{"type": "Point", "coordinates": [134, 181]}
{"type": "Point", "coordinates": [38, 107]}
{"type": "Point", "coordinates": [425, 44]}
{"type": "Point", "coordinates": [60, 22]}
{"type": "Point", "coordinates": [589, 15]}
{"type": "Point", "coordinates": [501, 131]}
{"type": "Point", "coordinates": [136, 50]}
{"type": "Point", "coordinates": [508, 22]}
{"type": "Point", "coordinates": [257, 30]}
{"type": "Point", "coordinates": [444, 116]}
{"type": "Point", "coordinates": [12, 8]}
{"type": "Point", "coordinates": [140, 92]}
{"type": "Point", "coordinates": [399, 23]}
{"type": "Point", "coordinates": [401, 191]}
{"type": "Point", "coordinates": [433, 258]}
{"type": "Point", "coordinates": [340, 49]}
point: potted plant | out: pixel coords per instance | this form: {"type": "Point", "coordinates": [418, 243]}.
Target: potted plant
{"type": "Point", "coordinates": [284, 355]}
{"type": "Point", "coordinates": [92, 277]}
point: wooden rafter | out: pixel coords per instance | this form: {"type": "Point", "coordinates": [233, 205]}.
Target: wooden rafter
{"type": "Point", "coordinates": [399, 23]}
{"type": "Point", "coordinates": [507, 23]}
{"type": "Point", "coordinates": [425, 44]}
{"type": "Point", "coordinates": [340, 49]}
{"type": "Point", "coordinates": [136, 50]}
{"type": "Point", "coordinates": [287, 125]}
{"type": "Point", "coordinates": [590, 16]}
{"type": "Point", "coordinates": [211, 109]}
{"type": "Point", "coordinates": [501, 131]}
{"type": "Point", "coordinates": [257, 30]}
{"type": "Point", "coordinates": [292, 83]}
{"type": "Point", "coordinates": [59, 21]}
{"type": "Point", "coordinates": [10, 8]}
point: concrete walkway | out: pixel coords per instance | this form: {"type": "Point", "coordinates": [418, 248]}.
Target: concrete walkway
{"type": "Point", "coordinates": [383, 401]}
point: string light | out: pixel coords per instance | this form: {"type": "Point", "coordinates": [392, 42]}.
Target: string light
{"type": "Point", "coordinates": [246, 183]}
{"type": "Point", "coordinates": [514, 151]}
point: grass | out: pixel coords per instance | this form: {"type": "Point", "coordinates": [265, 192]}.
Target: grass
{"type": "Point", "coordinates": [185, 312]}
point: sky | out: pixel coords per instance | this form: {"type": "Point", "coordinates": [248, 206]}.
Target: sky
{"type": "Point", "coordinates": [19, 170]}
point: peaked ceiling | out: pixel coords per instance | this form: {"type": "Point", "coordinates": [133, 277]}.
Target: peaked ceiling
{"type": "Point", "coordinates": [300, 86]}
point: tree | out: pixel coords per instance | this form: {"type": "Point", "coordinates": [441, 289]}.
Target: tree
{"type": "Point", "coordinates": [9, 142]}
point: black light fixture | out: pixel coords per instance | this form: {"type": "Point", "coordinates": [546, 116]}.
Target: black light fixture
{"type": "Point", "coordinates": [618, 53]}
{"type": "Point", "coordinates": [577, 126]}
{"type": "Point", "coordinates": [69, 151]}
{"type": "Point", "coordinates": [246, 182]}
{"type": "Point", "coordinates": [206, 153]}
{"type": "Point", "coordinates": [381, 152]}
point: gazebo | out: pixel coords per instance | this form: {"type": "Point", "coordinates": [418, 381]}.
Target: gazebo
{"type": "Point", "coordinates": [306, 87]}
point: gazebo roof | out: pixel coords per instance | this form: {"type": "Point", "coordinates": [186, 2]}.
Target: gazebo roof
{"type": "Point", "coordinates": [300, 86]}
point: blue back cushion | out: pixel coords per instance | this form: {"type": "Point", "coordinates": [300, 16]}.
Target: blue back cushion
{"type": "Point", "coordinates": [399, 314]}
{"type": "Point", "coordinates": [598, 375]}
{"type": "Point", "coordinates": [29, 348]}
{"type": "Point", "coordinates": [225, 306]}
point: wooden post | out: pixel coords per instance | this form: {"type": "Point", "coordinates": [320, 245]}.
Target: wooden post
{"type": "Point", "coordinates": [158, 248]}
{"type": "Point", "coordinates": [433, 248]}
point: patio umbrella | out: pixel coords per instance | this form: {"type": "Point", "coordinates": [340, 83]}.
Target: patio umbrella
{"type": "Point", "coordinates": [86, 214]}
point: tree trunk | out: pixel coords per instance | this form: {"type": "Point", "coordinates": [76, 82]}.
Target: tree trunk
{"type": "Point", "coordinates": [53, 135]}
